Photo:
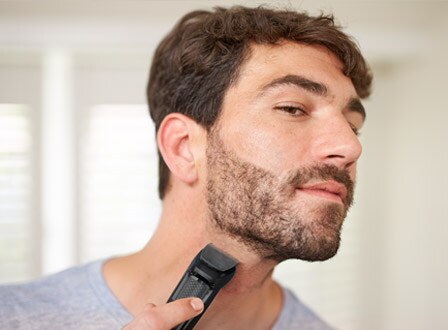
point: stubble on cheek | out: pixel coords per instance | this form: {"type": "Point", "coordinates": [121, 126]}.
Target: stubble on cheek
{"type": "Point", "coordinates": [261, 210]}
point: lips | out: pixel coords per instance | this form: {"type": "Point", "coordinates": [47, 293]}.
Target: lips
{"type": "Point", "coordinates": [329, 189]}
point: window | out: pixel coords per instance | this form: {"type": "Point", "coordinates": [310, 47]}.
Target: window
{"type": "Point", "coordinates": [16, 186]}
{"type": "Point", "coordinates": [119, 205]}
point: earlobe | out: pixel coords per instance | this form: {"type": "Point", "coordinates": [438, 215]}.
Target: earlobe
{"type": "Point", "coordinates": [174, 141]}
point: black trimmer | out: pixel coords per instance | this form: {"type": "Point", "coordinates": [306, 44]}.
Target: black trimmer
{"type": "Point", "coordinates": [209, 271]}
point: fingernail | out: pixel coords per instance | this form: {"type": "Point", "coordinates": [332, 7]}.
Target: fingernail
{"type": "Point", "coordinates": [197, 304]}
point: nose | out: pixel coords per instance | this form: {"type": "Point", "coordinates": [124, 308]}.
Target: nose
{"type": "Point", "coordinates": [337, 144]}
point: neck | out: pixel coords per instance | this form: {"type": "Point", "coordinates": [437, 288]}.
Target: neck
{"type": "Point", "coordinates": [152, 274]}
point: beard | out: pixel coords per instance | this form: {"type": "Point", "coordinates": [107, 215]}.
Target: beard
{"type": "Point", "coordinates": [262, 211]}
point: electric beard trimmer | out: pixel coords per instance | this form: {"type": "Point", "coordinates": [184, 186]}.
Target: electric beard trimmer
{"type": "Point", "coordinates": [209, 271]}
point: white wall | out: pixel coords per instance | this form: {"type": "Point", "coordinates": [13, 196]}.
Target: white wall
{"type": "Point", "coordinates": [416, 265]}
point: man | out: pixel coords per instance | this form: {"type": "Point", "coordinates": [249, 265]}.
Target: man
{"type": "Point", "coordinates": [257, 113]}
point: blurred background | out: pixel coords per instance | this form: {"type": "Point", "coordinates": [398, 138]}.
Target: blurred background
{"type": "Point", "coordinates": [78, 169]}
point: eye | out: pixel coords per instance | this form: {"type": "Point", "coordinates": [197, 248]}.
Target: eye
{"type": "Point", "coordinates": [291, 109]}
{"type": "Point", "coordinates": [355, 129]}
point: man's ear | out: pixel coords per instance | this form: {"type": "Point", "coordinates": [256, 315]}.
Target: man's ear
{"type": "Point", "coordinates": [174, 139]}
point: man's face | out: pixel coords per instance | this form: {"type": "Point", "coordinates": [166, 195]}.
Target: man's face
{"type": "Point", "coordinates": [282, 157]}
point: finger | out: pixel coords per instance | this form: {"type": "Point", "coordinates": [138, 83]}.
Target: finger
{"type": "Point", "coordinates": [149, 306]}
{"type": "Point", "coordinates": [167, 316]}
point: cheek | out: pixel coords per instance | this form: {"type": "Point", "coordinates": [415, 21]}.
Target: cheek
{"type": "Point", "coordinates": [267, 146]}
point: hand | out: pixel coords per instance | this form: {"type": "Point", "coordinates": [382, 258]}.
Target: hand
{"type": "Point", "coordinates": [167, 316]}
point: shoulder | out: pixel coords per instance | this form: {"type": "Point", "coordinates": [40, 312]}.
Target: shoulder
{"type": "Point", "coordinates": [54, 301]}
{"type": "Point", "coordinates": [296, 315]}
{"type": "Point", "coordinates": [47, 290]}
{"type": "Point", "coordinates": [50, 289]}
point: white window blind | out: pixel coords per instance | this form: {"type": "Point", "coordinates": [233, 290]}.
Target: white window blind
{"type": "Point", "coordinates": [119, 207]}
{"type": "Point", "coordinates": [16, 240]}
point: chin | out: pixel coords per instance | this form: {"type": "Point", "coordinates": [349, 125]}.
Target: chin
{"type": "Point", "coordinates": [311, 249]}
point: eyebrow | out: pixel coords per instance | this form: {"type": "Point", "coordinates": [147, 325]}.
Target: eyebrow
{"type": "Point", "coordinates": [299, 81]}
{"type": "Point", "coordinates": [313, 87]}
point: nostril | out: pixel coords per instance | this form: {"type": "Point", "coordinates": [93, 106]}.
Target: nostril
{"type": "Point", "coordinates": [340, 161]}
{"type": "Point", "coordinates": [336, 156]}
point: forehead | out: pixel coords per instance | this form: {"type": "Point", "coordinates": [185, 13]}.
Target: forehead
{"type": "Point", "coordinates": [268, 62]}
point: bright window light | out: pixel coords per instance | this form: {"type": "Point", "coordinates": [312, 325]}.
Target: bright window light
{"type": "Point", "coordinates": [118, 172]}
{"type": "Point", "coordinates": [15, 193]}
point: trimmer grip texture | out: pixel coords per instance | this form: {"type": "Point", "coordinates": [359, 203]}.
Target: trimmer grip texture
{"type": "Point", "coordinates": [194, 287]}
{"type": "Point", "coordinates": [209, 271]}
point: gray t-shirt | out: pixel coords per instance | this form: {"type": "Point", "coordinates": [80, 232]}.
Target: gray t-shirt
{"type": "Point", "coordinates": [79, 298]}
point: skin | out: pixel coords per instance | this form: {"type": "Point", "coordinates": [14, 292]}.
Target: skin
{"type": "Point", "coordinates": [275, 127]}
{"type": "Point", "coordinates": [262, 209]}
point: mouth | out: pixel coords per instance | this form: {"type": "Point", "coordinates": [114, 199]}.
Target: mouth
{"type": "Point", "coordinates": [330, 190]}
